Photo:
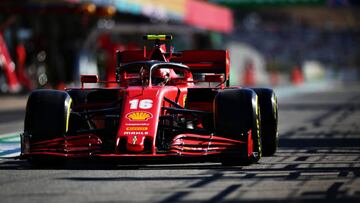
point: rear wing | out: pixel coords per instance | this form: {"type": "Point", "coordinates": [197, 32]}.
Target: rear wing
{"type": "Point", "coordinates": [205, 61]}
{"type": "Point", "coordinates": [199, 61]}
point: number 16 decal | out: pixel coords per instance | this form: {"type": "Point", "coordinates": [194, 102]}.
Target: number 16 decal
{"type": "Point", "coordinates": [141, 104]}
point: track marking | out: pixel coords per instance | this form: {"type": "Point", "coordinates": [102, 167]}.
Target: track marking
{"type": "Point", "coordinates": [10, 144]}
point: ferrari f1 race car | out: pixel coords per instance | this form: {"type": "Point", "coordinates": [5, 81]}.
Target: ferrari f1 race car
{"type": "Point", "coordinates": [164, 105]}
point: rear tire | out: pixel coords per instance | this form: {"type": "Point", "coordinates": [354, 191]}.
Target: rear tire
{"type": "Point", "coordinates": [269, 120]}
{"type": "Point", "coordinates": [236, 112]}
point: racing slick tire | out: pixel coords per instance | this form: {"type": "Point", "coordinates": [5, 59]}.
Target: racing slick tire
{"type": "Point", "coordinates": [236, 112]}
{"type": "Point", "coordinates": [47, 114]}
{"type": "Point", "coordinates": [269, 120]}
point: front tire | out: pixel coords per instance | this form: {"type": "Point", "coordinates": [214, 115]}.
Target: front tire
{"type": "Point", "coordinates": [47, 114]}
{"type": "Point", "coordinates": [47, 117]}
{"type": "Point", "coordinates": [236, 113]}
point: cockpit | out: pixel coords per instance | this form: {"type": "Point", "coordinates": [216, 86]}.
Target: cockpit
{"type": "Point", "coordinates": [153, 73]}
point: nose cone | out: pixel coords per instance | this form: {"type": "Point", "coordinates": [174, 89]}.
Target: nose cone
{"type": "Point", "coordinates": [135, 143]}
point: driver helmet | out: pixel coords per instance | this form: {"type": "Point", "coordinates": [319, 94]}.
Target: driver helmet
{"type": "Point", "coordinates": [160, 76]}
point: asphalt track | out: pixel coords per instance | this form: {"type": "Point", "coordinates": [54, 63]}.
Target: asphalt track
{"type": "Point", "coordinates": [318, 161]}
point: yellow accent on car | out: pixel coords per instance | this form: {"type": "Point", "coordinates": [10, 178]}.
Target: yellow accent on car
{"type": "Point", "coordinates": [276, 114]}
{"type": "Point", "coordinates": [258, 126]}
{"type": "Point", "coordinates": [257, 105]}
{"type": "Point", "coordinates": [137, 128]}
{"type": "Point", "coordinates": [158, 37]}
{"type": "Point", "coordinates": [68, 115]}
{"type": "Point", "coordinates": [275, 110]}
{"type": "Point", "coordinates": [184, 99]}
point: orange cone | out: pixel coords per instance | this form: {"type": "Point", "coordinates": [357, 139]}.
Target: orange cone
{"type": "Point", "coordinates": [274, 78]}
{"type": "Point", "coordinates": [249, 76]}
{"type": "Point", "coordinates": [297, 77]}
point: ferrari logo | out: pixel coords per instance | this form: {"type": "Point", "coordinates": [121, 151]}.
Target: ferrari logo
{"type": "Point", "coordinates": [134, 140]}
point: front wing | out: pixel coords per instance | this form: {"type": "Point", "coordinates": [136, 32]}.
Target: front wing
{"type": "Point", "coordinates": [182, 145]}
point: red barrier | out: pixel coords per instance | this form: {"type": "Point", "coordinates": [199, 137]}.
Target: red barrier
{"type": "Point", "coordinates": [8, 67]}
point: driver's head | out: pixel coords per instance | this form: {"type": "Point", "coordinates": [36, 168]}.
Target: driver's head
{"type": "Point", "coordinates": [160, 76]}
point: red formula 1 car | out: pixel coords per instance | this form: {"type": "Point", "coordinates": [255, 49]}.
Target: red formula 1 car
{"type": "Point", "coordinates": [158, 110]}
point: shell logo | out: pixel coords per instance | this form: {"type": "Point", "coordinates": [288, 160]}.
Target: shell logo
{"type": "Point", "coordinates": [139, 116]}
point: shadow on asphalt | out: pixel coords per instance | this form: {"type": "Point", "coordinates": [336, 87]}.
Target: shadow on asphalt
{"type": "Point", "coordinates": [212, 173]}
{"type": "Point", "coordinates": [292, 163]}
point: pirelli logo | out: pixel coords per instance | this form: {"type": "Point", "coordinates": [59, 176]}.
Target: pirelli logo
{"type": "Point", "coordinates": [136, 128]}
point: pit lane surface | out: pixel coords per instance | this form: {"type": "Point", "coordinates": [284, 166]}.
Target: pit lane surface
{"type": "Point", "coordinates": [318, 161]}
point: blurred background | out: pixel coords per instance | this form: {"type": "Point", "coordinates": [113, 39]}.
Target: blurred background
{"type": "Point", "coordinates": [278, 43]}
